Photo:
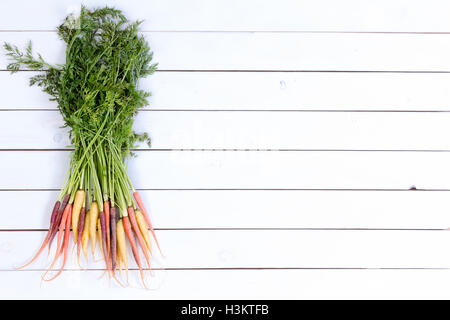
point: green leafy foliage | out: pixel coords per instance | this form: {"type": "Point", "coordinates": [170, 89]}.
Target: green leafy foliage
{"type": "Point", "coordinates": [105, 58]}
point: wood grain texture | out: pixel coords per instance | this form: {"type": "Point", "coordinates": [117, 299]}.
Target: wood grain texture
{"type": "Point", "coordinates": [249, 130]}
{"type": "Point", "coordinates": [327, 213]}
{"type": "Point", "coordinates": [235, 284]}
{"type": "Point", "coordinates": [275, 51]}
{"type": "Point", "coordinates": [193, 209]}
{"type": "Point", "coordinates": [264, 249]}
{"type": "Point", "coordinates": [234, 15]}
{"type": "Point", "coordinates": [266, 91]}
{"type": "Point", "coordinates": [246, 170]}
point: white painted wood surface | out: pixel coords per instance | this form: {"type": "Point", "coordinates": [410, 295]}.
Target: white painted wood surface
{"type": "Point", "coordinates": [286, 138]}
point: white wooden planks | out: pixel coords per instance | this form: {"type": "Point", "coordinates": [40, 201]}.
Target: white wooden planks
{"type": "Point", "coordinates": [275, 51]}
{"type": "Point", "coordinates": [269, 209]}
{"type": "Point", "coordinates": [280, 15]}
{"type": "Point", "coordinates": [246, 170]}
{"type": "Point", "coordinates": [264, 249]}
{"type": "Point", "coordinates": [249, 130]}
{"type": "Point", "coordinates": [236, 284]}
{"type": "Point", "coordinates": [266, 91]}
{"type": "Point", "coordinates": [241, 212]}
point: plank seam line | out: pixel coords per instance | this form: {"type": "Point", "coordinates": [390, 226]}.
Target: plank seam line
{"type": "Point", "coordinates": [246, 189]}
{"type": "Point", "coordinates": [263, 229]}
{"type": "Point", "coordinates": [238, 150]}
{"type": "Point", "coordinates": [279, 71]}
{"type": "Point", "coordinates": [254, 110]}
{"type": "Point", "coordinates": [240, 269]}
{"type": "Point", "coordinates": [254, 31]}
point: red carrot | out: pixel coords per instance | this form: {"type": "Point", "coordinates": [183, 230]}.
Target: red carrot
{"type": "Point", "coordinates": [140, 204]}
{"type": "Point", "coordinates": [129, 233]}
{"type": "Point", "coordinates": [47, 237]}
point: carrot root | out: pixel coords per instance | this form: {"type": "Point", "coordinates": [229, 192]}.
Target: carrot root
{"type": "Point", "coordinates": [141, 206]}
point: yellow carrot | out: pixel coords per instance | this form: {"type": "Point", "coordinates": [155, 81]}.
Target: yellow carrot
{"type": "Point", "coordinates": [85, 234]}
{"type": "Point", "coordinates": [144, 229]}
{"type": "Point", "coordinates": [92, 225]}
{"type": "Point", "coordinates": [78, 203]}
{"type": "Point", "coordinates": [121, 244]}
{"type": "Point", "coordinates": [119, 262]}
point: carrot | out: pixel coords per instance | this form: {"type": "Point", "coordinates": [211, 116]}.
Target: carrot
{"type": "Point", "coordinates": [61, 227]}
{"type": "Point", "coordinates": [129, 233]}
{"type": "Point", "coordinates": [113, 238]}
{"type": "Point", "coordinates": [65, 244]}
{"type": "Point", "coordinates": [62, 207]}
{"type": "Point", "coordinates": [85, 234]}
{"type": "Point", "coordinates": [133, 221]}
{"type": "Point", "coordinates": [80, 231]}
{"type": "Point", "coordinates": [93, 225]}
{"type": "Point", "coordinates": [44, 243]}
{"type": "Point", "coordinates": [108, 229]}
{"type": "Point", "coordinates": [64, 225]}
{"type": "Point", "coordinates": [140, 204]}
{"type": "Point", "coordinates": [144, 230]}
{"type": "Point", "coordinates": [78, 203]}
{"type": "Point", "coordinates": [99, 237]}
{"type": "Point", "coordinates": [102, 239]}
{"type": "Point", "coordinates": [121, 245]}
{"type": "Point", "coordinates": [119, 262]}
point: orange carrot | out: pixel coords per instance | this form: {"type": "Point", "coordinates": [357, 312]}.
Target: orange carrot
{"type": "Point", "coordinates": [129, 233]}
{"type": "Point", "coordinates": [61, 226]}
{"type": "Point", "coordinates": [65, 244]}
{"type": "Point", "coordinates": [140, 204]}
{"type": "Point", "coordinates": [60, 247]}
{"type": "Point", "coordinates": [62, 207]}
{"type": "Point", "coordinates": [138, 234]}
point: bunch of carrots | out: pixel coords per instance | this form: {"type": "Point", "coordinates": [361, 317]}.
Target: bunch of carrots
{"type": "Point", "coordinates": [98, 96]}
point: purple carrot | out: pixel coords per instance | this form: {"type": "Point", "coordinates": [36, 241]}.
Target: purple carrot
{"type": "Point", "coordinates": [58, 220]}
{"type": "Point", "coordinates": [44, 243]}
{"type": "Point", "coordinates": [80, 230]}
{"type": "Point", "coordinates": [54, 212]}
{"type": "Point", "coordinates": [113, 238]}
{"type": "Point", "coordinates": [103, 239]}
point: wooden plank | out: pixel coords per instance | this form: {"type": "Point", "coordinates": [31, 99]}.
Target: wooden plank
{"type": "Point", "coordinates": [275, 51]}
{"type": "Point", "coordinates": [260, 209]}
{"type": "Point", "coordinates": [282, 91]}
{"type": "Point", "coordinates": [235, 284]}
{"type": "Point", "coordinates": [268, 15]}
{"type": "Point", "coordinates": [263, 249]}
{"type": "Point", "coordinates": [249, 130]}
{"type": "Point", "coordinates": [246, 169]}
